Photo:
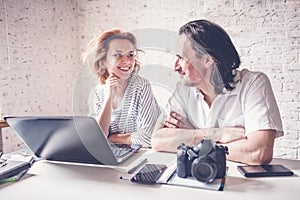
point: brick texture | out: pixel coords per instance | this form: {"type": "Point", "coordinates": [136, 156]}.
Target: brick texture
{"type": "Point", "coordinates": [42, 41]}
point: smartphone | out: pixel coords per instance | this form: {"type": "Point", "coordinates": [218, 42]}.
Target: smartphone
{"type": "Point", "coordinates": [149, 174]}
{"type": "Point", "coordinates": [264, 170]}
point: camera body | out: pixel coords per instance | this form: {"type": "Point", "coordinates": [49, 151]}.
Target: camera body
{"type": "Point", "coordinates": [205, 162]}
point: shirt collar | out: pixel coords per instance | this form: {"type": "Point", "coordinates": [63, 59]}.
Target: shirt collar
{"type": "Point", "coordinates": [237, 86]}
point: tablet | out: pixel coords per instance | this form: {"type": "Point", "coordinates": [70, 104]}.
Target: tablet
{"type": "Point", "coordinates": [264, 170]}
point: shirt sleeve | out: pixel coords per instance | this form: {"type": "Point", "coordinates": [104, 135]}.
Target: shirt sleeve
{"type": "Point", "coordinates": [148, 113]}
{"type": "Point", "coordinates": [260, 107]}
{"type": "Point", "coordinates": [177, 102]}
{"type": "Point", "coordinates": [95, 101]}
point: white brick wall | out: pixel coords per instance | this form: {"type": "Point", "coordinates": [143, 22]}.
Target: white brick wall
{"type": "Point", "coordinates": [41, 42]}
{"type": "Point", "coordinates": [39, 59]}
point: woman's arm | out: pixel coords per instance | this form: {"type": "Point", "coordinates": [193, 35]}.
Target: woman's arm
{"type": "Point", "coordinates": [122, 138]}
{"type": "Point", "coordinates": [104, 115]}
{"type": "Point", "coordinates": [103, 118]}
{"type": "Point", "coordinates": [147, 115]}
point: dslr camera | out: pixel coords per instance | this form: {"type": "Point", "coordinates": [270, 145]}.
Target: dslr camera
{"type": "Point", "coordinates": [205, 162]}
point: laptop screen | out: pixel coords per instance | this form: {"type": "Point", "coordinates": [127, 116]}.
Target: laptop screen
{"type": "Point", "coordinates": [69, 139]}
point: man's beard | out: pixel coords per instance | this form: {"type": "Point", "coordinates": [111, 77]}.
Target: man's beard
{"type": "Point", "coordinates": [187, 82]}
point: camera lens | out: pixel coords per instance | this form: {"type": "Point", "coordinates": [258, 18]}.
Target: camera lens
{"type": "Point", "coordinates": [204, 170]}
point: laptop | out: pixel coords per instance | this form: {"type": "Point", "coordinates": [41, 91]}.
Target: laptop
{"type": "Point", "coordinates": [69, 139]}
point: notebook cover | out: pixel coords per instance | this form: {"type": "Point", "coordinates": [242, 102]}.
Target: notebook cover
{"type": "Point", "coordinates": [12, 168]}
{"type": "Point", "coordinates": [170, 177]}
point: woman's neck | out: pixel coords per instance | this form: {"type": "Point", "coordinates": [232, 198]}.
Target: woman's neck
{"type": "Point", "coordinates": [119, 93]}
{"type": "Point", "coordinates": [121, 89]}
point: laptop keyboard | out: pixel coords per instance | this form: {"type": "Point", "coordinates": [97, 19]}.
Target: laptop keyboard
{"type": "Point", "coordinates": [120, 151]}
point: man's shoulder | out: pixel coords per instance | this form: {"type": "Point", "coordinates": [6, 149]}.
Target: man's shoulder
{"type": "Point", "coordinates": [250, 76]}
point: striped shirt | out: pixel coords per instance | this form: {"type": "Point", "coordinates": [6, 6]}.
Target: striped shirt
{"type": "Point", "coordinates": [136, 114]}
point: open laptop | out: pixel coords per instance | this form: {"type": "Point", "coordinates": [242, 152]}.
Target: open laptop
{"type": "Point", "coordinates": [69, 139]}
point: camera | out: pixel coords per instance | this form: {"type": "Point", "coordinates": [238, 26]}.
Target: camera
{"type": "Point", "coordinates": [205, 162]}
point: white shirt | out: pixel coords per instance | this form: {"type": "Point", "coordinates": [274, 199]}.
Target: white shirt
{"type": "Point", "coordinates": [251, 105]}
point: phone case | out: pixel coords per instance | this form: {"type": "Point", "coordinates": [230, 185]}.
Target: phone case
{"type": "Point", "coordinates": [264, 170]}
{"type": "Point", "coordinates": [149, 174]}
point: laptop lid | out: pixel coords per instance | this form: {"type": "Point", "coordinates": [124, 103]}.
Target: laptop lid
{"type": "Point", "coordinates": [65, 138]}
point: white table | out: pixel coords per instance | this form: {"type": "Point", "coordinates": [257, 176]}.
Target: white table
{"type": "Point", "coordinates": [50, 180]}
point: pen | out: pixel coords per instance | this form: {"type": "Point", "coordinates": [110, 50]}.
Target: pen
{"type": "Point", "coordinates": [14, 178]}
{"type": "Point", "coordinates": [8, 180]}
{"type": "Point", "coordinates": [128, 178]}
{"type": "Point", "coordinates": [21, 174]}
{"type": "Point", "coordinates": [137, 166]}
{"type": "Point", "coordinates": [222, 184]}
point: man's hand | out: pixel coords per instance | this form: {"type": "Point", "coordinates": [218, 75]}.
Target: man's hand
{"type": "Point", "coordinates": [175, 120]}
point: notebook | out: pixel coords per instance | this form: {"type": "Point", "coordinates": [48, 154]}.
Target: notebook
{"type": "Point", "coordinates": [166, 174]}
{"type": "Point", "coordinates": [69, 139]}
{"type": "Point", "coordinates": [170, 177]}
{"type": "Point", "coordinates": [13, 168]}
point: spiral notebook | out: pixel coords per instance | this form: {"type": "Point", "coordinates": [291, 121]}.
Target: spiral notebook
{"type": "Point", "coordinates": [12, 168]}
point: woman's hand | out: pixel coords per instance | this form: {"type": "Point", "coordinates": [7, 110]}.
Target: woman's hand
{"type": "Point", "coordinates": [112, 82]}
{"type": "Point", "coordinates": [175, 120]}
{"type": "Point", "coordinates": [121, 138]}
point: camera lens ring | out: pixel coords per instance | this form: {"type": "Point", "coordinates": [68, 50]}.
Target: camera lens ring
{"type": "Point", "coordinates": [204, 169]}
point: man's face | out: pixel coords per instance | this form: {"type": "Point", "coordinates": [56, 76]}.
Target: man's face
{"type": "Point", "coordinates": [191, 68]}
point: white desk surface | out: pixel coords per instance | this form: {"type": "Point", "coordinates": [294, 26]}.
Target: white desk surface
{"type": "Point", "coordinates": [49, 180]}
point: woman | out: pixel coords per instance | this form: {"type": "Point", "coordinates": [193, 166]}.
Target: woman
{"type": "Point", "coordinates": [123, 102]}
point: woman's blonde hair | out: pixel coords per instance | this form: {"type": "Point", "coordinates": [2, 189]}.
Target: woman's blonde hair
{"type": "Point", "coordinates": [102, 46]}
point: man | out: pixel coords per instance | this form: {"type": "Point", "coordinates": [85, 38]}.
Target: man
{"type": "Point", "coordinates": [215, 100]}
